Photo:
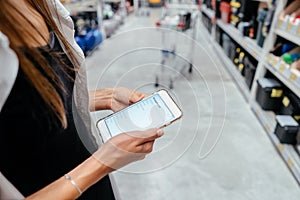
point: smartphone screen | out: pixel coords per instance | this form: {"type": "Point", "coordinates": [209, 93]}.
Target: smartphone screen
{"type": "Point", "coordinates": [151, 112]}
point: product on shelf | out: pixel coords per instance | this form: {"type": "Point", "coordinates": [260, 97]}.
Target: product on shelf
{"type": "Point", "coordinates": [218, 35]}
{"type": "Point", "coordinates": [291, 56]}
{"type": "Point", "coordinates": [226, 43]}
{"type": "Point", "coordinates": [225, 11]}
{"type": "Point", "coordinates": [217, 9]}
{"type": "Point", "coordinates": [240, 64]}
{"type": "Point", "coordinates": [243, 11]}
{"type": "Point", "coordinates": [261, 17]}
{"type": "Point", "coordinates": [269, 94]}
{"type": "Point", "coordinates": [268, 20]}
{"type": "Point", "coordinates": [290, 105]}
{"type": "Point", "coordinates": [286, 129]}
{"type": "Point", "coordinates": [292, 9]}
{"type": "Point", "coordinates": [282, 47]}
{"type": "Point", "coordinates": [250, 69]}
{"type": "Point", "coordinates": [234, 16]}
{"type": "Point", "coordinates": [289, 19]}
{"type": "Point", "coordinates": [87, 33]}
{"type": "Point", "coordinates": [235, 55]}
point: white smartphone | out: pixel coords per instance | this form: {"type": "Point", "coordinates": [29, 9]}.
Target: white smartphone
{"type": "Point", "coordinates": [155, 111]}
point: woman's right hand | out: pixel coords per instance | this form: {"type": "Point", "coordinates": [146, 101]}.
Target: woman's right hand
{"type": "Point", "coordinates": [126, 148]}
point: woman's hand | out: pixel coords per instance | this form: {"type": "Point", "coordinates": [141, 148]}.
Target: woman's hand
{"type": "Point", "coordinates": [127, 148]}
{"type": "Point", "coordinates": [114, 99]}
{"type": "Point", "coordinates": [123, 97]}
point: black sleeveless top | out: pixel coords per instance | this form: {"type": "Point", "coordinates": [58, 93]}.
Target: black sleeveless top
{"type": "Point", "coordinates": [34, 148]}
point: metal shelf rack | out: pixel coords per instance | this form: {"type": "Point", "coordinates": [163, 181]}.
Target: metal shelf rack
{"type": "Point", "coordinates": [233, 71]}
{"type": "Point", "coordinates": [289, 153]}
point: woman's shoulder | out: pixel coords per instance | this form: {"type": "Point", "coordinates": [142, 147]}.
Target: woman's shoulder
{"type": "Point", "coordinates": [9, 67]}
{"type": "Point", "coordinates": [57, 5]}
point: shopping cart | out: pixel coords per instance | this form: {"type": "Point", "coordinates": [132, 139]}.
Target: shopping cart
{"type": "Point", "coordinates": [142, 8]}
{"type": "Point", "coordinates": [176, 17]}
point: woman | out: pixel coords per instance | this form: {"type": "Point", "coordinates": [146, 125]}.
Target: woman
{"type": "Point", "coordinates": [42, 154]}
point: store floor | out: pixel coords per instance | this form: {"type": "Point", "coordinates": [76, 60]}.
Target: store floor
{"type": "Point", "coordinates": [242, 165]}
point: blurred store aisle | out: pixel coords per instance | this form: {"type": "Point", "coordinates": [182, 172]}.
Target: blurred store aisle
{"type": "Point", "coordinates": [243, 164]}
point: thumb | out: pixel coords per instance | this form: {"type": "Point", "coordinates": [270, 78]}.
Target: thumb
{"type": "Point", "coordinates": [136, 96]}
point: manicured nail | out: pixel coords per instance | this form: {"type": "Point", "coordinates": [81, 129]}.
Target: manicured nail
{"type": "Point", "coordinates": [160, 133]}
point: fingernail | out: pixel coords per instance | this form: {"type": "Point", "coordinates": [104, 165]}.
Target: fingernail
{"type": "Point", "coordinates": [160, 132]}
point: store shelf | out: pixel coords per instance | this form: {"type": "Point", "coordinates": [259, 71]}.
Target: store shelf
{"type": "Point", "coordinates": [233, 71]}
{"type": "Point", "coordinates": [289, 36]}
{"type": "Point", "coordinates": [210, 13]}
{"type": "Point", "coordinates": [287, 152]}
{"type": "Point", "coordinates": [284, 74]}
{"type": "Point", "coordinates": [112, 1]}
{"type": "Point", "coordinates": [82, 6]}
{"type": "Point", "coordinates": [291, 79]}
{"type": "Point", "coordinates": [248, 44]}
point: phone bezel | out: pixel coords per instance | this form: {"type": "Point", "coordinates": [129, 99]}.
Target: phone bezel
{"type": "Point", "coordinates": [165, 96]}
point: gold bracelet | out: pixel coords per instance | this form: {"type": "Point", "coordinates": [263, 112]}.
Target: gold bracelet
{"type": "Point", "coordinates": [68, 177]}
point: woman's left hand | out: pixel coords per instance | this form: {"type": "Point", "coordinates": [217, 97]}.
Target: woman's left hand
{"type": "Point", "coordinates": [123, 97]}
{"type": "Point", "coordinates": [114, 99]}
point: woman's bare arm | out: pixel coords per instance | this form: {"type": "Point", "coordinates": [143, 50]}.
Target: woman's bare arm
{"type": "Point", "coordinates": [85, 175]}
{"type": "Point", "coordinates": [115, 153]}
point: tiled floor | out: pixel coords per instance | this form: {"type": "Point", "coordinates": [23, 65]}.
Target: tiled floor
{"type": "Point", "coordinates": [218, 150]}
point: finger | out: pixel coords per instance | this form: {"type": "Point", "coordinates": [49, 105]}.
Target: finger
{"type": "Point", "coordinates": [136, 96]}
{"type": "Point", "coordinates": [148, 147]}
{"type": "Point", "coordinates": [146, 136]}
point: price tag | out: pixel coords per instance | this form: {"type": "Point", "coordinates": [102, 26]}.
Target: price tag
{"type": "Point", "coordinates": [267, 127]}
{"type": "Point", "coordinates": [281, 68]}
{"type": "Point", "coordinates": [290, 163]}
{"type": "Point", "coordinates": [255, 54]}
{"type": "Point", "coordinates": [289, 26]}
{"type": "Point", "coordinates": [280, 148]}
{"type": "Point", "coordinates": [270, 59]}
{"type": "Point", "coordinates": [293, 77]}
{"type": "Point", "coordinates": [279, 23]}
{"type": "Point", "coordinates": [286, 101]}
{"type": "Point", "coordinates": [276, 93]}
{"type": "Point", "coordinates": [241, 67]}
{"type": "Point", "coordinates": [298, 32]}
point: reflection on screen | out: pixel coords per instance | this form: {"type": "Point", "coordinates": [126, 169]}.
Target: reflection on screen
{"type": "Point", "coordinates": [149, 113]}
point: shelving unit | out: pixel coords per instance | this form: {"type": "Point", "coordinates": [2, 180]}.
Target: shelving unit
{"type": "Point", "coordinates": [289, 153]}
{"type": "Point", "coordinates": [291, 37]}
{"type": "Point", "coordinates": [248, 44]}
{"type": "Point", "coordinates": [82, 6]}
{"type": "Point", "coordinates": [210, 13]}
{"type": "Point", "coordinates": [285, 75]}
{"type": "Point", "coordinates": [233, 71]}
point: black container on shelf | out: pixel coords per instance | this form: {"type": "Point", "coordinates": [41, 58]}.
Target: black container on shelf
{"type": "Point", "coordinates": [250, 69]}
{"type": "Point", "coordinates": [286, 129]}
{"type": "Point", "coordinates": [218, 11]}
{"type": "Point", "coordinates": [290, 105]}
{"type": "Point", "coordinates": [269, 94]}
{"type": "Point", "coordinates": [243, 11]}
{"type": "Point", "coordinates": [232, 53]}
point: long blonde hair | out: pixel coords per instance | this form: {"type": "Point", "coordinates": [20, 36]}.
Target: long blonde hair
{"type": "Point", "coordinates": [45, 81]}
